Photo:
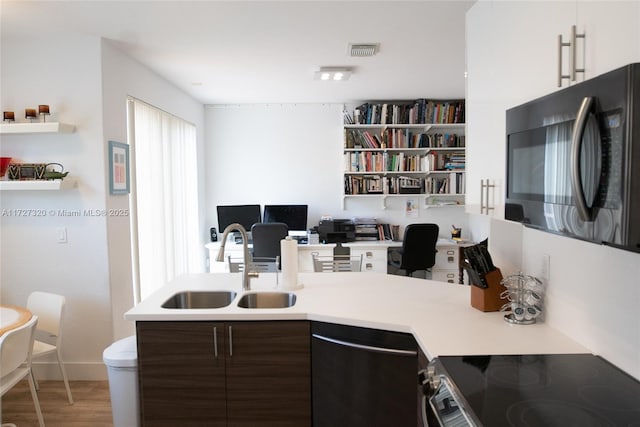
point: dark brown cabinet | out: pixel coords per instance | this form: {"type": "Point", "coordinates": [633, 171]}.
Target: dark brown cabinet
{"type": "Point", "coordinates": [232, 374]}
{"type": "Point", "coordinates": [363, 377]}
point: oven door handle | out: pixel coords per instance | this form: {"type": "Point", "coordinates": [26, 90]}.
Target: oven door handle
{"type": "Point", "coordinates": [584, 211]}
{"type": "Point", "coordinates": [423, 408]}
{"type": "Point", "coordinates": [384, 350]}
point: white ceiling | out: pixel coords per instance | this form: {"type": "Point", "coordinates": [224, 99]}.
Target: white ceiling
{"type": "Point", "coordinates": [228, 52]}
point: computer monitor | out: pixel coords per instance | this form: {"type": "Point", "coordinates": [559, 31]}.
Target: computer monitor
{"type": "Point", "coordinates": [245, 215]}
{"type": "Point", "coordinates": [295, 216]}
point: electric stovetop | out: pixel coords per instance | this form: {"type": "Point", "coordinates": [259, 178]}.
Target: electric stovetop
{"type": "Point", "coordinates": [568, 390]}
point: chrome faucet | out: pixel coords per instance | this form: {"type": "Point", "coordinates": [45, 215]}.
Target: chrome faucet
{"type": "Point", "coordinates": [246, 274]}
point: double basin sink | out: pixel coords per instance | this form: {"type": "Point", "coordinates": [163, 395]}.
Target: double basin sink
{"type": "Point", "coordinates": [219, 299]}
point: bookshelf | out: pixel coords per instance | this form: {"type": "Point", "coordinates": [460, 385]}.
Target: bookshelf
{"type": "Point", "coordinates": [403, 149]}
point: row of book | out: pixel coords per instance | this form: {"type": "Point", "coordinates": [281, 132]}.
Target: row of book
{"type": "Point", "coordinates": [401, 138]}
{"type": "Point", "coordinates": [368, 161]}
{"type": "Point", "coordinates": [374, 184]}
{"type": "Point", "coordinates": [419, 111]}
{"type": "Point", "coordinates": [374, 231]}
{"type": "Point", "coordinates": [452, 183]}
{"type": "Point", "coordinates": [442, 161]}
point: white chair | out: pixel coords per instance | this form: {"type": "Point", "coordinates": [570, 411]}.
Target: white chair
{"type": "Point", "coordinates": [49, 308]}
{"type": "Point", "coordinates": [15, 360]}
{"type": "Point", "coordinates": [336, 263]}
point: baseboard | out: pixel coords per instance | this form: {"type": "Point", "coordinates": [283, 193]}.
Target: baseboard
{"type": "Point", "coordinates": [84, 371]}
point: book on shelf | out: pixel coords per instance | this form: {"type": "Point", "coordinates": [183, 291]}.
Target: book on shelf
{"type": "Point", "coordinates": [354, 185]}
{"type": "Point", "coordinates": [444, 161]}
{"type": "Point", "coordinates": [419, 111]}
{"type": "Point", "coordinates": [451, 183]}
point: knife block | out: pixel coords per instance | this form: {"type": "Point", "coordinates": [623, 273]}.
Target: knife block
{"type": "Point", "coordinates": [488, 299]}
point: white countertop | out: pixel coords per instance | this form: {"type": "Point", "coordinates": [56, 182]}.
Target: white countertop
{"type": "Point", "coordinates": [438, 314]}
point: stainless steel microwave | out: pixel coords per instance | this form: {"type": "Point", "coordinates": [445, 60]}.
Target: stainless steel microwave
{"type": "Point", "coordinates": [573, 160]}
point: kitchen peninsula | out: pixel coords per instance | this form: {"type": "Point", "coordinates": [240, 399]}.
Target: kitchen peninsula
{"type": "Point", "coordinates": [438, 314]}
{"type": "Point", "coordinates": [214, 359]}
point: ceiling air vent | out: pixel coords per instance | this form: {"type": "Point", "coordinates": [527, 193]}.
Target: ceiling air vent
{"type": "Point", "coordinates": [363, 49]}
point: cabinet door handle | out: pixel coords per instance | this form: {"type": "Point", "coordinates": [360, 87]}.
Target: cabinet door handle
{"type": "Point", "coordinates": [484, 196]}
{"type": "Point", "coordinates": [367, 347]}
{"type": "Point", "coordinates": [562, 44]}
{"type": "Point", "coordinates": [215, 342]}
{"type": "Point", "coordinates": [574, 48]}
{"type": "Point", "coordinates": [230, 342]}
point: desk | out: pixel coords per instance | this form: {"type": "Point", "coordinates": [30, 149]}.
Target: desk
{"type": "Point", "coordinates": [374, 256]}
{"type": "Point", "coordinates": [12, 317]}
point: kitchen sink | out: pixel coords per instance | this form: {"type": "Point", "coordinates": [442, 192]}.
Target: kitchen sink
{"type": "Point", "coordinates": [267, 300]}
{"type": "Point", "coordinates": [200, 299]}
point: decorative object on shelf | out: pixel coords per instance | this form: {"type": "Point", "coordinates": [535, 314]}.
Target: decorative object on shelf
{"type": "Point", "coordinates": [27, 171]}
{"type": "Point", "coordinates": [43, 110]}
{"type": "Point", "coordinates": [9, 116]}
{"type": "Point", "coordinates": [30, 113]}
{"type": "Point", "coordinates": [525, 297]}
{"type": "Point", "coordinates": [4, 165]}
{"type": "Point", "coordinates": [118, 168]}
{"type": "Point", "coordinates": [13, 171]}
{"type": "Point", "coordinates": [54, 174]}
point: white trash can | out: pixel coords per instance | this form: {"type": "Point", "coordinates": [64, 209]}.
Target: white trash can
{"type": "Point", "coordinates": [121, 359]}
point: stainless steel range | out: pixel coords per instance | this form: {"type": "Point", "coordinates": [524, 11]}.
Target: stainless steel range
{"type": "Point", "coordinates": [567, 390]}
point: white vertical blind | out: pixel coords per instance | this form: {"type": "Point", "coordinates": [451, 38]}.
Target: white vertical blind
{"type": "Point", "coordinates": [165, 197]}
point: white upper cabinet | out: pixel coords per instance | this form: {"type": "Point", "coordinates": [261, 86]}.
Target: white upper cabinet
{"type": "Point", "coordinates": [612, 34]}
{"type": "Point", "coordinates": [512, 57]}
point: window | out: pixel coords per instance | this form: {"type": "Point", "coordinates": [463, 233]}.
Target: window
{"type": "Point", "coordinates": [164, 197]}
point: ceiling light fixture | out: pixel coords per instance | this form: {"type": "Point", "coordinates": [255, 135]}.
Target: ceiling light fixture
{"type": "Point", "coordinates": [333, 73]}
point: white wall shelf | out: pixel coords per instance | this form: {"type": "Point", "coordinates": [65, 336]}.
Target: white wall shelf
{"type": "Point", "coordinates": [30, 128]}
{"type": "Point", "coordinates": [54, 184]}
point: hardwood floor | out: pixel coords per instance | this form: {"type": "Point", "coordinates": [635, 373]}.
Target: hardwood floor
{"type": "Point", "coordinates": [91, 408]}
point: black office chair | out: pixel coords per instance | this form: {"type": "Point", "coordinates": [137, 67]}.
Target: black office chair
{"type": "Point", "coordinates": [266, 238]}
{"type": "Point", "coordinates": [418, 248]}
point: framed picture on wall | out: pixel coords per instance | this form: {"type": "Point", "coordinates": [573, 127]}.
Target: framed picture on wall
{"type": "Point", "coordinates": [118, 168]}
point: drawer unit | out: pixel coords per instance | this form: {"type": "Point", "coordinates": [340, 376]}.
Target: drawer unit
{"type": "Point", "coordinates": [450, 276]}
{"type": "Point", "coordinates": [447, 258]}
{"type": "Point", "coordinates": [373, 260]}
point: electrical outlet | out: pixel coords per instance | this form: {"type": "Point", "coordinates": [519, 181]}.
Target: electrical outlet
{"type": "Point", "coordinates": [546, 266]}
{"type": "Point", "coordinates": [61, 232]}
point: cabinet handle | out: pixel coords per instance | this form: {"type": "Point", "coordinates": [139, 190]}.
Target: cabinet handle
{"type": "Point", "coordinates": [484, 196]}
{"type": "Point", "coordinates": [215, 342]}
{"type": "Point", "coordinates": [367, 347]}
{"type": "Point", "coordinates": [574, 44]}
{"type": "Point", "coordinates": [562, 44]}
{"type": "Point", "coordinates": [230, 342]}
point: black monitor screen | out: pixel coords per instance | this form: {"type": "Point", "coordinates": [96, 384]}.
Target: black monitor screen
{"type": "Point", "coordinates": [295, 216]}
{"type": "Point", "coordinates": [245, 215]}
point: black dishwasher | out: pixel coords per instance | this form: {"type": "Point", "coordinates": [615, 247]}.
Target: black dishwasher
{"type": "Point", "coordinates": [363, 377]}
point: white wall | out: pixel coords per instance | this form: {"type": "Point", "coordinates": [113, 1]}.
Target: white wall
{"type": "Point", "coordinates": [63, 72]}
{"type": "Point", "coordinates": [593, 294]}
{"type": "Point", "coordinates": [85, 81]}
{"type": "Point", "coordinates": [292, 153]}
{"type": "Point", "coordinates": [122, 76]}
